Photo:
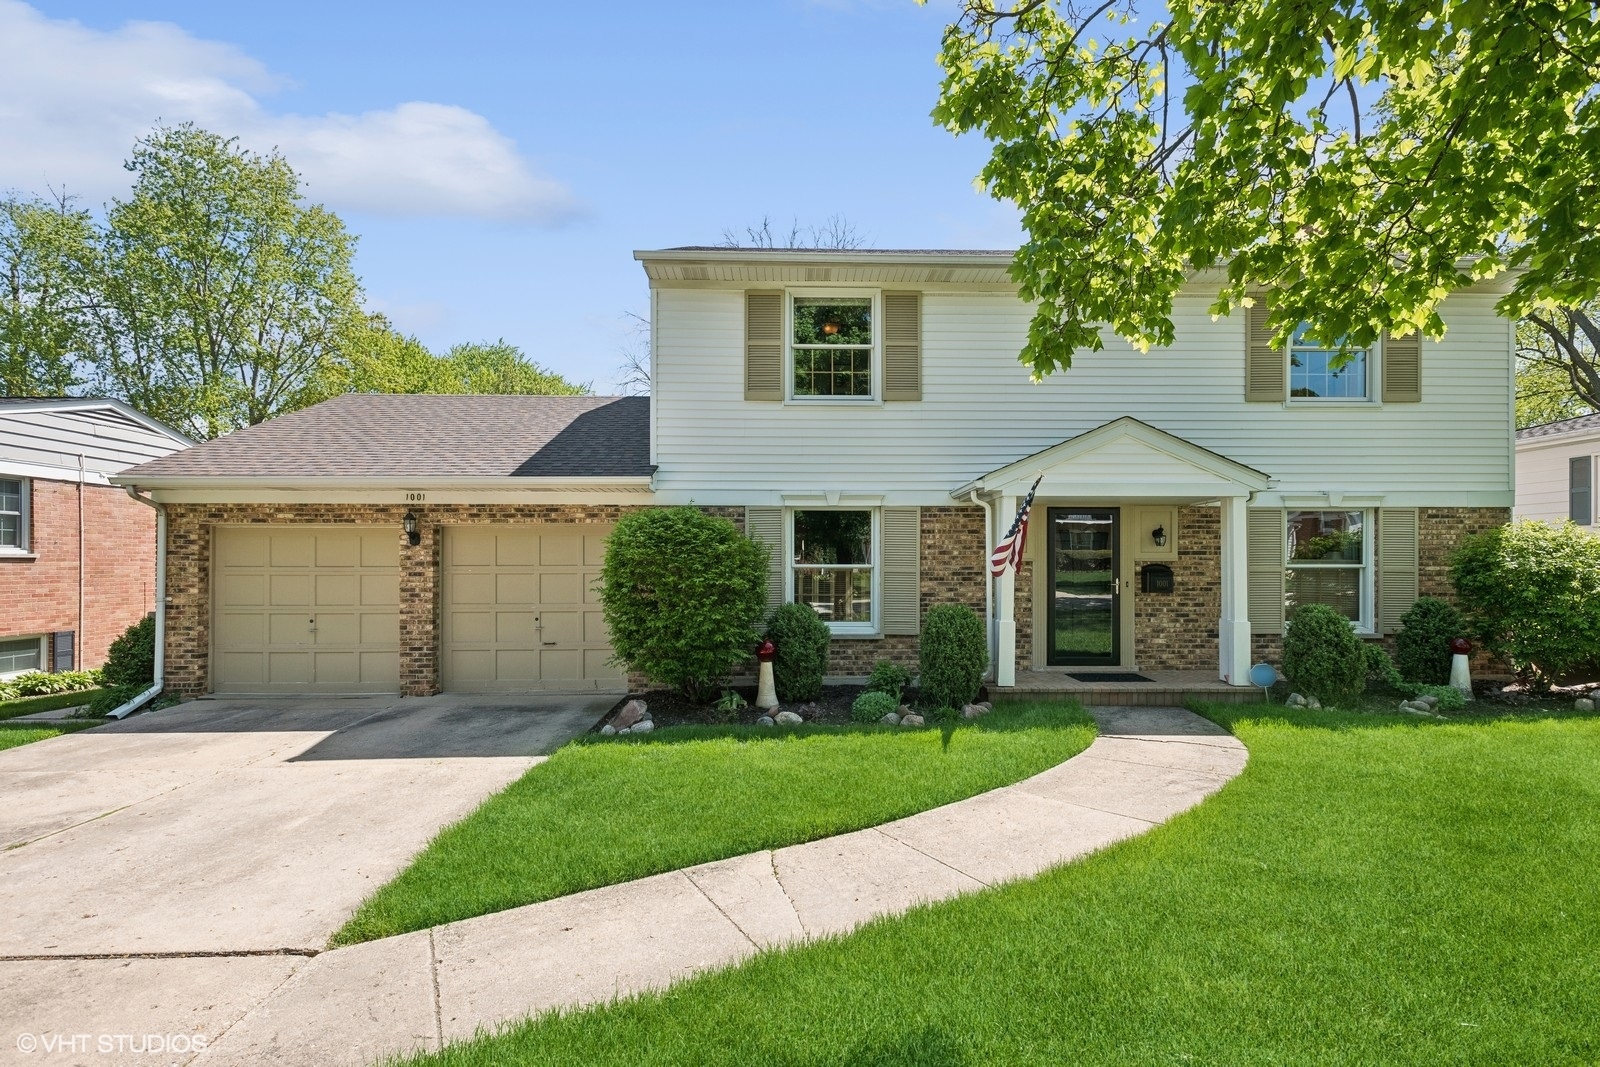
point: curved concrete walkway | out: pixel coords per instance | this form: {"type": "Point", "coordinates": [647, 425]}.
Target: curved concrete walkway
{"type": "Point", "coordinates": [421, 990]}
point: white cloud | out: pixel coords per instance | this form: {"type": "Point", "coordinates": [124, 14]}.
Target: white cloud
{"type": "Point", "coordinates": [73, 100]}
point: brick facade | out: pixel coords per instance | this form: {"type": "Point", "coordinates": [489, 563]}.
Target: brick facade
{"type": "Point", "coordinates": [1177, 631]}
{"type": "Point", "coordinates": [118, 568]}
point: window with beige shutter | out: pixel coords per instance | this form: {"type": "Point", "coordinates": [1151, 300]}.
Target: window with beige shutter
{"type": "Point", "coordinates": [763, 345]}
{"type": "Point", "coordinates": [902, 346]}
{"type": "Point", "coordinates": [1401, 363]}
{"type": "Point", "coordinates": [1264, 361]}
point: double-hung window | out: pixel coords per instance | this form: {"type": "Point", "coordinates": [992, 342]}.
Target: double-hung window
{"type": "Point", "coordinates": [1580, 490]}
{"type": "Point", "coordinates": [13, 515]}
{"type": "Point", "coordinates": [1316, 371]}
{"type": "Point", "coordinates": [1330, 562]}
{"type": "Point", "coordinates": [834, 566]}
{"type": "Point", "coordinates": [832, 346]}
{"type": "Point", "coordinates": [19, 655]}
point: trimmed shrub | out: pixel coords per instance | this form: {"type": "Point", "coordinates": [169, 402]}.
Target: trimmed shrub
{"type": "Point", "coordinates": [1381, 668]}
{"type": "Point", "coordinates": [801, 638]}
{"type": "Point", "coordinates": [1531, 592]}
{"type": "Point", "coordinates": [40, 683]}
{"type": "Point", "coordinates": [889, 677]}
{"type": "Point", "coordinates": [873, 705]}
{"type": "Point", "coordinates": [1422, 647]}
{"type": "Point", "coordinates": [954, 653]}
{"type": "Point", "coordinates": [113, 697]}
{"type": "Point", "coordinates": [682, 593]}
{"type": "Point", "coordinates": [1323, 657]}
{"type": "Point", "coordinates": [131, 663]}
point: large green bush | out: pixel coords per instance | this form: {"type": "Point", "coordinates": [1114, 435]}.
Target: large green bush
{"type": "Point", "coordinates": [1323, 657]}
{"type": "Point", "coordinates": [801, 638]}
{"type": "Point", "coordinates": [1531, 592]}
{"type": "Point", "coordinates": [682, 593]}
{"type": "Point", "coordinates": [953, 655]}
{"type": "Point", "coordinates": [1422, 647]}
{"type": "Point", "coordinates": [132, 659]}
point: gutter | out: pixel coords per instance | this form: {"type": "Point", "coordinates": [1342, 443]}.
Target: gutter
{"type": "Point", "coordinates": [159, 672]}
{"type": "Point", "coordinates": [988, 579]}
{"type": "Point", "coordinates": [311, 483]}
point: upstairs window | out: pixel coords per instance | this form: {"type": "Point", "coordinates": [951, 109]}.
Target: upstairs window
{"type": "Point", "coordinates": [831, 346]}
{"type": "Point", "coordinates": [13, 515]}
{"type": "Point", "coordinates": [1580, 490]}
{"type": "Point", "coordinates": [1330, 563]}
{"type": "Point", "coordinates": [1314, 376]}
{"type": "Point", "coordinates": [834, 568]}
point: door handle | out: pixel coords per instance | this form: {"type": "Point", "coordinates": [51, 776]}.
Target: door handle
{"type": "Point", "coordinates": [1116, 586]}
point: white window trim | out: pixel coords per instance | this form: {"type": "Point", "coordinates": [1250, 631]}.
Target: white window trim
{"type": "Point", "coordinates": [24, 545]}
{"type": "Point", "coordinates": [840, 629]}
{"type": "Point", "coordinates": [1367, 624]}
{"type": "Point", "coordinates": [44, 658]}
{"type": "Point", "coordinates": [1374, 393]}
{"type": "Point", "coordinates": [876, 395]}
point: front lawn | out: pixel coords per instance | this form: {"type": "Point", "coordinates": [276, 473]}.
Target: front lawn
{"type": "Point", "coordinates": [13, 734]}
{"type": "Point", "coordinates": [10, 709]}
{"type": "Point", "coordinates": [602, 811]}
{"type": "Point", "coordinates": [1370, 890]}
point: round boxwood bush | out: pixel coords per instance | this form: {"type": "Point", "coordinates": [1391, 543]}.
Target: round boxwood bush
{"type": "Point", "coordinates": [1323, 657]}
{"type": "Point", "coordinates": [1422, 647]}
{"type": "Point", "coordinates": [952, 658]}
{"type": "Point", "coordinates": [802, 640]}
{"type": "Point", "coordinates": [889, 677]}
{"type": "Point", "coordinates": [873, 705]}
{"type": "Point", "coordinates": [131, 661]}
{"type": "Point", "coordinates": [682, 593]}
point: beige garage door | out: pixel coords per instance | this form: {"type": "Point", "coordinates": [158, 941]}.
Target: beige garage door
{"type": "Point", "coordinates": [306, 609]}
{"type": "Point", "coordinates": [520, 610]}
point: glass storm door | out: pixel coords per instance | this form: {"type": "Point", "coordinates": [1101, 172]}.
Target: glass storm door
{"type": "Point", "coordinates": [1084, 587]}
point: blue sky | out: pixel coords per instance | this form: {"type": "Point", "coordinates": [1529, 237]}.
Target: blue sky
{"type": "Point", "coordinates": [501, 162]}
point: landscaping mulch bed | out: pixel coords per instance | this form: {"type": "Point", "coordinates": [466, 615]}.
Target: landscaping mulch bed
{"type": "Point", "coordinates": [670, 708]}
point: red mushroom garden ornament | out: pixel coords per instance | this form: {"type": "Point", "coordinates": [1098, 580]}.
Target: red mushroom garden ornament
{"type": "Point", "coordinates": [766, 693]}
{"type": "Point", "coordinates": [1460, 675]}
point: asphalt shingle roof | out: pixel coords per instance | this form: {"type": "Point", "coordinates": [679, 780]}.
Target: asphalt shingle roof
{"type": "Point", "coordinates": [1562, 428]}
{"type": "Point", "coordinates": [364, 435]}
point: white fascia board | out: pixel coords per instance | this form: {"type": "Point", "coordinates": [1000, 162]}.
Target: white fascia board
{"type": "Point", "coordinates": [1565, 440]}
{"type": "Point", "coordinates": [49, 472]}
{"type": "Point", "coordinates": [314, 484]}
{"type": "Point", "coordinates": [1442, 498]}
{"type": "Point", "coordinates": [822, 255]}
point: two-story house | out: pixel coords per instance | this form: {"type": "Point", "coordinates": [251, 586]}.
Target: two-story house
{"type": "Point", "coordinates": [77, 555]}
{"type": "Point", "coordinates": [863, 413]}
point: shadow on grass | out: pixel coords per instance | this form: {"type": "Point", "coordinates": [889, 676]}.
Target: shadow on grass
{"type": "Point", "coordinates": [1372, 717]}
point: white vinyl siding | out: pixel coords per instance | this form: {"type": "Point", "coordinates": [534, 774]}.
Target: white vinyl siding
{"type": "Point", "coordinates": [979, 411]}
{"type": "Point", "coordinates": [1544, 476]}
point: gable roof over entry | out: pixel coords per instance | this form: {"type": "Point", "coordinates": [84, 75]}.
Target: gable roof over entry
{"type": "Point", "coordinates": [1123, 459]}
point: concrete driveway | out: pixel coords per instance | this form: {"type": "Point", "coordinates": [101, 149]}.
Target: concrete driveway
{"type": "Point", "coordinates": [245, 826]}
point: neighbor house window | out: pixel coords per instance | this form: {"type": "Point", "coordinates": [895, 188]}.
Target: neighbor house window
{"type": "Point", "coordinates": [13, 515]}
{"type": "Point", "coordinates": [19, 654]}
{"type": "Point", "coordinates": [1330, 563]}
{"type": "Point", "coordinates": [831, 346]}
{"type": "Point", "coordinates": [1580, 490]}
{"type": "Point", "coordinates": [1316, 373]}
{"type": "Point", "coordinates": [834, 567]}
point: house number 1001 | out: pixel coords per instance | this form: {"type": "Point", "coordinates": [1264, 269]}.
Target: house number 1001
{"type": "Point", "coordinates": [416, 498]}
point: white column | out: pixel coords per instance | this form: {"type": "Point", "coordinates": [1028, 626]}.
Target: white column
{"type": "Point", "coordinates": [1005, 667]}
{"type": "Point", "coordinates": [1233, 629]}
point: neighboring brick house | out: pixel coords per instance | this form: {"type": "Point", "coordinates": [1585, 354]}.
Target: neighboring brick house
{"type": "Point", "coordinates": [864, 414]}
{"type": "Point", "coordinates": [77, 554]}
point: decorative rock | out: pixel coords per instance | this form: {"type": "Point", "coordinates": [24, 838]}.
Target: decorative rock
{"type": "Point", "coordinates": [911, 720]}
{"type": "Point", "coordinates": [787, 718]}
{"type": "Point", "coordinates": [972, 711]}
{"type": "Point", "coordinates": [607, 730]}
{"type": "Point", "coordinates": [1583, 704]}
{"type": "Point", "coordinates": [904, 710]}
{"type": "Point", "coordinates": [986, 705]}
{"type": "Point", "coordinates": [1429, 699]}
{"type": "Point", "coordinates": [643, 726]}
{"type": "Point", "coordinates": [765, 720]}
{"type": "Point", "coordinates": [1415, 705]}
{"type": "Point", "coordinates": [631, 712]}
{"type": "Point", "coordinates": [891, 719]}
{"type": "Point", "coordinates": [810, 711]}
{"type": "Point", "coordinates": [1295, 701]}
{"type": "Point", "coordinates": [624, 731]}
{"type": "Point", "coordinates": [1313, 703]}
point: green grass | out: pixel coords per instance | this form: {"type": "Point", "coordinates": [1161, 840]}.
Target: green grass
{"type": "Point", "coordinates": [606, 811]}
{"type": "Point", "coordinates": [13, 734]}
{"type": "Point", "coordinates": [10, 709]}
{"type": "Point", "coordinates": [1372, 890]}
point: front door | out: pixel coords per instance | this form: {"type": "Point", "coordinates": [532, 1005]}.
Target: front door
{"type": "Point", "coordinates": [1085, 591]}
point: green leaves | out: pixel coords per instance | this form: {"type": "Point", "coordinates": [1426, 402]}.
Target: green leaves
{"type": "Point", "coordinates": [1363, 160]}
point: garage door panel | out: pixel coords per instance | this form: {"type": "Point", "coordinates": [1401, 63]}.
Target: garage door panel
{"type": "Point", "coordinates": [246, 548]}
{"type": "Point", "coordinates": [341, 549]}
{"type": "Point", "coordinates": [516, 589]}
{"type": "Point", "coordinates": [595, 631]}
{"type": "Point", "coordinates": [471, 588]}
{"type": "Point", "coordinates": [560, 588]}
{"type": "Point", "coordinates": [241, 629]}
{"type": "Point", "coordinates": [337, 590]}
{"type": "Point", "coordinates": [561, 550]}
{"type": "Point", "coordinates": [380, 591]}
{"type": "Point", "coordinates": [248, 668]}
{"type": "Point", "coordinates": [561, 665]}
{"type": "Point", "coordinates": [290, 668]}
{"type": "Point", "coordinates": [380, 629]}
{"type": "Point", "coordinates": [288, 629]}
{"type": "Point", "coordinates": [337, 668]}
{"type": "Point", "coordinates": [468, 547]}
{"type": "Point", "coordinates": [591, 588]}
{"type": "Point", "coordinates": [246, 591]}
{"type": "Point", "coordinates": [515, 549]}
{"type": "Point", "coordinates": [380, 548]}
{"type": "Point", "coordinates": [336, 629]}
{"type": "Point", "coordinates": [562, 627]}
{"type": "Point", "coordinates": [291, 549]}
{"type": "Point", "coordinates": [379, 668]}
{"type": "Point", "coordinates": [597, 665]}
{"type": "Point", "coordinates": [289, 590]}
{"type": "Point", "coordinates": [594, 550]}
{"type": "Point", "coordinates": [516, 628]}
{"type": "Point", "coordinates": [471, 627]}
{"type": "Point", "coordinates": [516, 665]}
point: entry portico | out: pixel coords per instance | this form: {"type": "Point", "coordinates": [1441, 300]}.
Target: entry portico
{"type": "Point", "coordinates": [1091, 485]}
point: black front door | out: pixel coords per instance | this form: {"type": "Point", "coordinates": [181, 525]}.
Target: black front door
{"type": "Point", "coordinates": [1085, 593]}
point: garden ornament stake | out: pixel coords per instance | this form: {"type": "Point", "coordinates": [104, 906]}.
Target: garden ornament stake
{"type": "Point", "coordinates": [766, 694]}
{"type": "Point", "coordinates": [1460, 675]}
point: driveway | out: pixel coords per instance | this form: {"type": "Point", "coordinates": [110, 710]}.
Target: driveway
{"type": "Point", "coordinates": [245, 826]}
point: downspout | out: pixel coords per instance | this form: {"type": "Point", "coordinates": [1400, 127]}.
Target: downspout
{"type": "Point", "coordinates": [988, 579]}
{"type": "Point", "coordinates": [77, 645]}
{"type": "Point", "coordinates": [158, 673]}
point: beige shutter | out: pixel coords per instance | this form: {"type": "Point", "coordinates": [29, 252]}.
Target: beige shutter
{"type": "Point", "coordinates": [1402, 369]}
{"type": "Point", "coordinates": [902, 574]}
{"type": "Point", "coordinates": [902, 347]}
{"type": "Point", "coordinates": [1265, 536]}
{"type": "Point", "coordinates": [1397, 565]}
{"type": "Point", "coordinates": [765, 525]}
{"type": "Point", "coordinates": [1265, 364]}
{"type": "Point", "coordinates": [763, 346]}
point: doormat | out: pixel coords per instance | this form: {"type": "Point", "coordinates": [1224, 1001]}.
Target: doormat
{"type": "Point", "coordinates": [1109, 676]}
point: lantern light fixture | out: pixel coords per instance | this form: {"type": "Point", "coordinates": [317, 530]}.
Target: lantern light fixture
{"type": "Point", "coordinates": [413, 535]}
{"type": "Point", "coordinates": [1159, 536]}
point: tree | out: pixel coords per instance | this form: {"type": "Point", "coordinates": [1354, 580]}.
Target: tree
{"type": "Point", "coordinates": [1361, 159]}
{"type": "Point", "coordinates": [372, 357]}
{"type": "Point", "coordinates": [633, 373]}
{"type": "Point", "coordinates": [219, 294]}
{"type": "Point", "coordinates": [835, 233]}
{"type": "Point", "coordinates": [46, 254]}
{"type": "Point", "coordinates": [499, 367]}
{"type": "Point", "coordinates": [1558, 370]}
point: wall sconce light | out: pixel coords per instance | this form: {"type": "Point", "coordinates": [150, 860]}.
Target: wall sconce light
{"type": "Point", "coordinates": [410, 525]}
{"type": "Point", "coordinates": [1158, 535]}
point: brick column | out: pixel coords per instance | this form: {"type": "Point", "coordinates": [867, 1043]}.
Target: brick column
{"type": "Point", "coordinates": [419, 609]}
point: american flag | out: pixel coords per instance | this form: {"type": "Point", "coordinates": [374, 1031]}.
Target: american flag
{"type": "Point", "coordinates": [1008, 553]}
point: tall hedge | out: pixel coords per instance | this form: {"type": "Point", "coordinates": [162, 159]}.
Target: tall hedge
{"type": "Point", "coordinates": [1322, 656]}
{"type": "Point", "coordinates": [952, 656]}
{"type": "Point", "coordinates": [801, 659]}
{"type": "Point", "coordinates": [1422, 647]}
{"type": "Point", "coordinates": [131, 660]}
{"type": "Point", "coordinates": [682, 593]}
{"type": "Point", "coordinates": [1531, 592]}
